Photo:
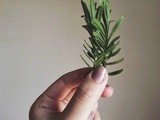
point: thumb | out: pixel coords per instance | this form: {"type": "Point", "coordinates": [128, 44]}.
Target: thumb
{"type": "Point", "coordinates": [87, 94]}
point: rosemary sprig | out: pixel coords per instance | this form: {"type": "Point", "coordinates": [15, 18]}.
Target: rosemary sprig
{"type": "Point", "coordinates": [103, 45]}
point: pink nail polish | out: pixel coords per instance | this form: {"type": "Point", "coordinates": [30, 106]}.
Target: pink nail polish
{"type": "Point", "coordinates": [98, 74]}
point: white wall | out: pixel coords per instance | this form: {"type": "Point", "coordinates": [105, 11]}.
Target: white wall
{"type": "Point", "coordinates": [42, 39]}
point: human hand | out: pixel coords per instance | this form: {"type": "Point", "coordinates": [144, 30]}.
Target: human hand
{"type": "Point", "coordinates": [74, 96]}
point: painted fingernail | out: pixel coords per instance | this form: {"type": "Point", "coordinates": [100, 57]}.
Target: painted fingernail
{"type": "Point", "coordinates": [98, 74]}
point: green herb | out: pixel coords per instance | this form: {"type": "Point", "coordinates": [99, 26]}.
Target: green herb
{"type": "Point", "coordinates": [102, 44]}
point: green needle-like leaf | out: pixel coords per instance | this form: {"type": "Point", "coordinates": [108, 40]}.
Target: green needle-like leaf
{"type": "Point", "coordinates": [107, 12]}
{"type": "Point", "coordinates": [99, 13]}
{"type": "Point", "coordinates": [116, 26]}
{"type": "Point", "coordinates": [92, 9]}
{"type": "Point", "coordinates": [85, 9]}
{"type": "Point", "coordinates": [111, 48]}
{"type": "Point", "coordinates": [88, 55]}
{"type": "Point", "coordinates": [97, 24]}
{"type": "Point", "coordinates": [85, 61]}
{"type": "Point", "coordinates": [115, 62]}
{"type": "Point", "coordinates": [99, 37]}
{"type": "Point", "coordinates": [115, 52]}
{"type": "Point", "coordinates": [114, 40]}
{"type": "Point", "coordinates": [87, 44]}
{"type": "Point", "coordinates": [99, 61]}
{"type": "Point", "coordinates": [115, 72]}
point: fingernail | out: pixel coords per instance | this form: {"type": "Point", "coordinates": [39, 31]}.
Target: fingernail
{"type": "Point", "coordinates": [98, 74]}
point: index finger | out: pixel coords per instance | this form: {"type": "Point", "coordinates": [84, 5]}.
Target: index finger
{"type": "Point", "coordinates": [61, 87]}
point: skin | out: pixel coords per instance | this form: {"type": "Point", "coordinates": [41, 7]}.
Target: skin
{"type": "Point", "coordinates": [74, 96]}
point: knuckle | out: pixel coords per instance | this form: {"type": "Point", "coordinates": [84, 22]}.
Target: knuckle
{"type": "Point", "coordinates": [84, 94]}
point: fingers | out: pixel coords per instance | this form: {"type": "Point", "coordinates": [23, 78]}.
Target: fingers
{"type": "Point", "coordinates": [108, 92]}
{"type": "Point", "coordinates": [97, 116]}
{"type": "Point", "coordinates": [93, 112]}
{"type": "Point", "coordinates": [63, 88]}
{"type": "Point", "coordinates": [87, 94]}
{"type": "Point", "coordinates": [60, 89]}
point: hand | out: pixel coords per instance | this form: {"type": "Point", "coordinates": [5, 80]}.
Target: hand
{"type": "Point", "coordinates": [74, 96]}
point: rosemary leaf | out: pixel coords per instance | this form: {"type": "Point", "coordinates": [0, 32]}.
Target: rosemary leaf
{"type": "Point", "coordinates": [112, 47]}
{"type": "Point", "coordinates": [97, 24]}
{"type": "Point", "coordinates": [115, 62]}
{"type": "Point", "coordinates": [115, 72]}
{"type": "Point", "coordinates": [85, 9]}
{"type": "Point", "coordinates": [92, 9]}
{"type": "Point", "coordinates": [85, 61]}
{"type": "Point", "coordinates": [99, 13]}
{"type": "Point", "coordinates": [116, 26]}
{"type": "Point", "coordinates": [115, 52]}
{"type": "Point", "coordinates": [114, 40]}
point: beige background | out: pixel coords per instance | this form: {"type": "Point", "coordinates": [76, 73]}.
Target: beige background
{"type": "Point", "coordinates": [42, 39]}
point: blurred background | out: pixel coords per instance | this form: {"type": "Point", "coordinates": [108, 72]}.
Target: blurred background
{"type": "Point", "coordinates": [40, 40]}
